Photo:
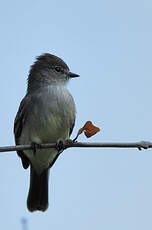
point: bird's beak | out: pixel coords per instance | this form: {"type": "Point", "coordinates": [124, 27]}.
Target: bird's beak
{"type": "Point", "coordinates": [72, 75]}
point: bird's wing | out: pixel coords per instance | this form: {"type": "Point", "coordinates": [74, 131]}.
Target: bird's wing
{"type": "Point", "coordinates": [18, 126]}
{"type": "Point", "coordinates": [72, 118]}
{"type": "Point", "coordinates": [71, 127]}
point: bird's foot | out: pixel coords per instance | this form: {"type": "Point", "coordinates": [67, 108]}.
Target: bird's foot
{"type": "Point", "coordinates": [34, 147]}
{"type": "Point", "coordinates": [60, 145]}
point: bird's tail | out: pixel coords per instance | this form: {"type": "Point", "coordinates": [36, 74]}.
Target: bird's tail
{"type": "Point", "coordinates": [38, 193]}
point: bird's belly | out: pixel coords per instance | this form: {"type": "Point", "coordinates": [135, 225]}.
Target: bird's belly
{"type": "Point", "coordinates": [49, 129]}
{"type": "Point", "coordinates": [44, 129]}
{"type": "Point", "coordinates": [50, 117]}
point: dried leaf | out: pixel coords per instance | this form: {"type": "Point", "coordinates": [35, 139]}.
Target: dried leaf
{"type": "Point", "coordinates": [89, 130]}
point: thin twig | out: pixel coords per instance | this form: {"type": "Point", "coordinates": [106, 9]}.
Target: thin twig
{"type": "Point", "coordinates": [140, 145]}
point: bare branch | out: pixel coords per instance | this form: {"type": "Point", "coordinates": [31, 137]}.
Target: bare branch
{"type": "Point", "coordinates": [69, 144]}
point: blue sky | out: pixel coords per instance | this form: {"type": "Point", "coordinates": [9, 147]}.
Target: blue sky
{"type": "Point", "coordinates": [109, 44]}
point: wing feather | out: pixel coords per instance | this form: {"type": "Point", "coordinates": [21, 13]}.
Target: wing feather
{"type": "Point", "coordinates": [18, 126]}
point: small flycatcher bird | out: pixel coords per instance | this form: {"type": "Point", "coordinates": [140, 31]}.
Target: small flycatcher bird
{"type": "Point", "coordinates": [46, 115]}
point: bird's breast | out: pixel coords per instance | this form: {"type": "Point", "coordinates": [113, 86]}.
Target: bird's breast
{"type": "Point", "coordinates": [51, 116]}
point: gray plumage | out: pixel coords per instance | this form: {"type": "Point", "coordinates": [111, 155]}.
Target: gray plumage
{"type": "Point", "coordinates": [46, 114]}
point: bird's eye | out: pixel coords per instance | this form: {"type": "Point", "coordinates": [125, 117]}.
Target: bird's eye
{"type": "Point", "coordinates": [58, 69]}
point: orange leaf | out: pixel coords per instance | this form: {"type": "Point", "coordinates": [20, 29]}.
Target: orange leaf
{"type": "Point", "coordinates": [89, 130]}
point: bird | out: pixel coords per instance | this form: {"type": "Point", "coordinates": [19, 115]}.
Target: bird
{"type": "Point", "coordinates": [46, 115]}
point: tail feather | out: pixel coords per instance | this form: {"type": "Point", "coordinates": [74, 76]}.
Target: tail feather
{"type": "Point", "coordinates": [38, 193]}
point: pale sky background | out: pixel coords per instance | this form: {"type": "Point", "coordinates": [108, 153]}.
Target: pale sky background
{"type": "Point", "coordinates": [109, 43]}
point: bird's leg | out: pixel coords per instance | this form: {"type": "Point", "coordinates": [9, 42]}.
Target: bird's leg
{"type": "Point", "coordinates": [34, 147]}
{"type": "Point", "coordinates": [60, 145]}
